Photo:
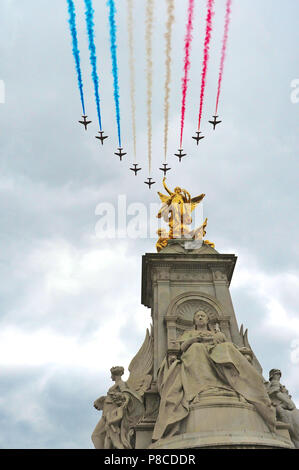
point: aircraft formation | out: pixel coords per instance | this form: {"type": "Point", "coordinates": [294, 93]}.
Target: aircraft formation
{"type": "Point", "coordinates": [90, 24]}
{"type": "Point", "coordinates": [135, 168]}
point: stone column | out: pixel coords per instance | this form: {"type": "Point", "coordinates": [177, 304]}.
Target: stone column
{"type": "Point", "coordinates": [176, 273]}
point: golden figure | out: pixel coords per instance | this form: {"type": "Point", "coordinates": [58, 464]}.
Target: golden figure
{"type": "Point", "coordinates": [176, 211]}
{"type": "Point", "coordinates": [163, 239]}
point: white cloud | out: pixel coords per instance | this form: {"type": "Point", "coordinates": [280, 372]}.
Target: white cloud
{"type": "Point", "coordinates": [295, 351]}
{"type": "Point", "coordinates": [281, 318]}
{"type": "Point", "coordinates": [58, 270]}
{"type": "Point", "coordinates": [47, 347]}
{"type": "Point", "coordinates": [276, 294]}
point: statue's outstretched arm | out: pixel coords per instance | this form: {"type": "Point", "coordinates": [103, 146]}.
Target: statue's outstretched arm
{"type": "Point", "coordinates": [166, 189]}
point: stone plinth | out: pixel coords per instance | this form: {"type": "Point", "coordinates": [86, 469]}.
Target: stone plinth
{"type": "Point", "coordinates": [182, 279]}
{"type": "Point", "coordinates": [225, 423]}
{"type": "Point", "coordinates": [176, 282]}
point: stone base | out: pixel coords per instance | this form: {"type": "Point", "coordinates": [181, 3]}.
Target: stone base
{"type": "Point", "coordinates": [144, 432]}
{"type": "Point", "coordinates": [225, 423]}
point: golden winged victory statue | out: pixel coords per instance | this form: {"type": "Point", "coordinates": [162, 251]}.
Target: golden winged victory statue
{"type": "Point", "coordinates": [176, 210]}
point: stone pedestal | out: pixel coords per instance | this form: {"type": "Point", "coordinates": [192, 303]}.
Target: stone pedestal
{"type": "Point", "coordinates": [225, 423]}
{"type": "Point", "coordinates": [180, 280]}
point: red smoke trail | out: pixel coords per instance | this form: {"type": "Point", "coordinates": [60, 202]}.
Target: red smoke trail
{"type": "Point", "coordinates": [223, 51]}
{"type": "Point", "coordinates": [188, 40]}
{"type": "Point", "coordinates": [205, 56]}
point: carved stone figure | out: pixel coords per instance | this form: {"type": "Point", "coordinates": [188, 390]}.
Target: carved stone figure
{"type": "Point", "coordinates": [286, 410]}
{"type": "Point", "coordinates": [123, 406]}
{"type": "Point", "coordinates": [176, 211]}
{"type": "Point", "coordinates": [207, 365]}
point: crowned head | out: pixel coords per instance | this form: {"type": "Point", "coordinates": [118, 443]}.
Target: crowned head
{"type": "Point", "coordinates": [274, 374]}
{"type": "Point", "coordinates": [117, 371]}
{"type": "Point", "coordinates": [200, 319]}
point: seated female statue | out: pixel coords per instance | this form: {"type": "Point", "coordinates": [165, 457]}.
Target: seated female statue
{"type": "Point", "coordinates": [208, 365]}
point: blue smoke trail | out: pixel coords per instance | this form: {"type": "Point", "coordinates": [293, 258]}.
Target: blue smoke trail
{"type": "Point", "coordinates": [113, 46]}
{"type": "Point", "coordinates": [76, 52]}
{"type": "Point", "coordinates": [89, 14]}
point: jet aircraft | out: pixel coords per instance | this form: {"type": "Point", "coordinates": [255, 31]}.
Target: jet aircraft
{"type": "Point", "coordinates": [215, 122]}
{"type": "Point", "coordinates": [85, 122]}
{"type": "Point", "coordinates": [165, 169]}
{"type": "Point", "coordinates": [180, 155]}
{"type": "Point", "coordinates": [101, 137]}
{"type": "Point", "coordinates": [149, 182]}
{"type": "Point", "coordinates": [197, 137]}
{"type": "Point", "coordinates": [120, 154]}
{"type": "Point", "coordinates": [135, 169]}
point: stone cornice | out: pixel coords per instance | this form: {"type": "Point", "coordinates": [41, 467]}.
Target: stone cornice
{"type": "Point", "coordinates": [177, 262]}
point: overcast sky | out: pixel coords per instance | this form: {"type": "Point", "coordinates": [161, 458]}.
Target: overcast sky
{"type": "Point", "coordinates": [70, 301]}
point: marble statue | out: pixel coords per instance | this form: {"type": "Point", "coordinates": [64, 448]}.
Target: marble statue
{"type": "Point", "coordinates": [207, 365]}
{"type": "Point", "coordinates": [286, 410]}
{"type": "Point", "coordinates": [123, 407]}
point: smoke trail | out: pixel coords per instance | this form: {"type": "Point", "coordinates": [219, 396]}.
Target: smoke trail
{"type": "Point", "coordinates": [132, 72]}
{"type": "Point", "coordinates": [168, 37]}
{"type": "Point", "coordinates": [148, 40]}
{"type": "Point", "coordinates": [223, 51]}
{"type": "Point", "coordinates": [188, 40]}
{"type": "Point", "coordinates": [113, 47]}
{"type": "Point", "coordinates": [149, 73]}
{"type": "Point", "coordinates": [76, 52]}
{"type": "Point", "coordinates": [89, 14]}
{"type": "Point", "coordinates": [205, 55]}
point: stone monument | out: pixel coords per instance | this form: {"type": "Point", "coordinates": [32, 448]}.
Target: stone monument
{"type": "Point", "coordinates": [195, 382]}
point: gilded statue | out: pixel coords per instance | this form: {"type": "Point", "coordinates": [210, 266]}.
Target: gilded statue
{"type": "Point", "coordinates": [176, 210]}
{"type": "Point", "coordinates": [206, 365]}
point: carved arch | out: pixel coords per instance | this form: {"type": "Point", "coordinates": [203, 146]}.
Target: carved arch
{"type": "Point", "coordinates": [176, 306]}
{"type": "Point", "coordinates": [179, 315]}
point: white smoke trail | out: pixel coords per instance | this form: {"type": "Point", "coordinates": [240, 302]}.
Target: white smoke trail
{"type": "Point", "coordinates": [130, 4]}
{"type": "Point", "coordinates": [168, 37]}
{"type": "Point", "coordinates": [149, 74]}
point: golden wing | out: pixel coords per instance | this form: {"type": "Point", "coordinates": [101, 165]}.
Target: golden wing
{"type": "Point", "coordinates": [164, 199]}
{"type": "Point", "coordinates": [196, 200]}
{"type": "Point", "coordinates": [200, 232]}
{"type": "Point", "coordinates": [163, 212]}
